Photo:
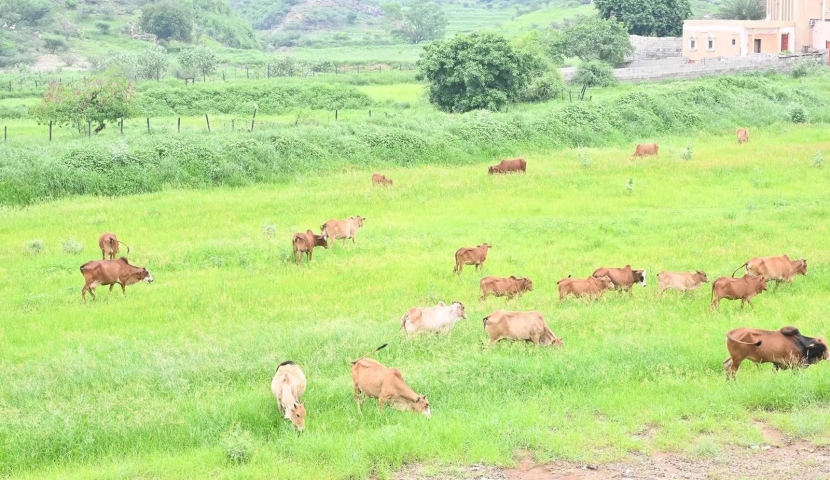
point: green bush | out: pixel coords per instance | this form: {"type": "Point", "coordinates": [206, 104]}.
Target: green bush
{"type": "Point", "coordinates": [34, 247]}
{"type": "Point", "coordinates": [239, 445]}
{"type": "Point", "coordinates": [797, 114]}
{"type": "Point", "coordinates": [595, 74]}
{"type": "Point", "coordinates": [71, 246]}
{"type": "Point", "coordinates": [806, 67]}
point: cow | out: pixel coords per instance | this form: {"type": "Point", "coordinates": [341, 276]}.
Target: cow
{"type": "Point", "coordinates": [288, 387]}
{"type": "Point", "coordinates": [592, 287]}
{"type": "Point", "coordinates": [778, 269]}
{"type": "Point", "coordinates": [528, 326]}
{"type": "Point", "coordinates": [372, 379]}
{"type": "Point", "coordinates": [440, 318]}
{"type": "Point", "coordinates": [110, 272]}
{"type": "Point", "coordinates": [784, 348]}
{"type": "Point", "coordinates": [645, 149]}
{"type": "Point", "coordinates": [305, 243]}
{"type": "Point", "coordinates": [509, 166]}
{"type": "Point", "coordinates": [622, 278]}
{"type": "Point", "coordinates": [743, 288]}
{"type": "Point", "coordinates": [343, 229]}
{"type": "Point", "coordinates": [108, 243]}
{"type": "Point", "coordinates": [743, 135]}
{"type": "Point", "coordinates": [470, 256]}
{"type": "Point", "coordinates": [683, 281]}
{"type": "Point", "coordinates": [378, 179]}
{"type": "Point", "coordinates": [499, 287]}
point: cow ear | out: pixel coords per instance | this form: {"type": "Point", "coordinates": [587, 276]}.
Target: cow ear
{"type": "Point", "coordinates": [417, 399]}
{"type": "Point", "coordinates": [442, 304]}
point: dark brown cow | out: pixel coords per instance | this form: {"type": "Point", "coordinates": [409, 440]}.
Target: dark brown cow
{"type": "Point", "coordinates": [778, 269]}
{"type": "Point", "coordinates": [592, 287]}
{"type": "Point", "coordinates": [305, 243]}
{"type": "Point", "coordinates": [509, 287]}
{"type": "Point", "coordinates": [744, 288]}
{"type": "Point", "coordinates": [743, 135]}
{"type": "Point", "coordinates": [110, 272]}
{"type": "Point", "coordinates": [623, 278]}
{"type": "Point", "coordinates": [378, 179]}
{"type": "Point", "coordinates": [470, 256]}
{"type": "Point", "coordinates": [509, 166]}
{"type": "Point", "coordinates": [108, 243]}
{"type": "Point", "coordinates": [785, 348]}
{"type": "Point", "coordinates": [645, 149]}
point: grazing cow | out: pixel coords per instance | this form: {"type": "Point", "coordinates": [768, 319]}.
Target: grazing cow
{"type": "Point", "coordinates": [592, 287]}
{"type": "Point", "coordinates": [681, 280]}
{"type": "Point", "coordinates": [440, 318]}
{"type": "Point", "coordinates": [110, 272]}
{"type": "Point", "coordinates": [778, 269]}
{"type": "Point", "coordinates": [378, 179]}
{"type": "Point", "coordinates": [344, 229]}
{"type": "Point", "coordinates": [622, 278]}
{"type": "Point", "coordinates": [470, 256]}
{"type": "Point", "coordinates": [743, 135]}
{"type": "Point", "coordinates": [288, 387]}
{"type": "Point", "coordinates": [645, 149]}
{"type": "Point", "coordinates": [305, 243]}
{"type": "Point", "coordinates": [509, 166]}
{"type": "Point", "coordinates": [499, 287]}
{"type": "Point", "coordinates": [785, 348]}
{"type": "Point", "coordinates": [372, 379]}
{"type": "Point", "coordinates": [744, 288]}
{"type": "Point", "coordinates": [108, 243]}
{"type": "Point", "coordinates": [528, 326]}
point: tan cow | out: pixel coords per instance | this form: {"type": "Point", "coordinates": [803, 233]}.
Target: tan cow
{"type": "Point", "coordinates": [785, 348]}
{"type": "Point", "coordinates": [778, 269]}
{"type": "Point", "coordinates": [305, 243]}
{"type": "Point", "coordinates": [108, 243]}
{"type": "Point", "coordinates": [288, 387]}
{"type": "Point", "coordinates": [378, 179]}
{"type": "Point", "coordinates": [743, 135]}
{"type": "Point", "coordinates": [592, 287]}
{"type": "Point", "coordinates": [500, 287]}
{"type": "Point", "coordinates": [623, 278]}
{"type": "Point", "coordinates": [110, 272]}
{"type": "Point", "coordinates": [509, 166]}
{"type": "Point", "coordinates": [343, 229]}
{"type": "Point", "coordinates": [684, 281]}
{"type": "Point", "coordinates": [439, 319]}
{"type": "Point", "coordinates": [470, 256]}
{"type": "Point", "coordinates": [528, 326]}
{"type": "Point", "coordinates": [374, 380]}
{"type": "Point", "coordinates": [645, 149]}
{"type": "Point", "coordinates": [743, 288]}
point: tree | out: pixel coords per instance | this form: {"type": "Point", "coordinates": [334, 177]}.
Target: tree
{"type": "Point", "coordinates": [103, 27]}
{"type": "Point", "coordinates": [593, 38]}
{"type": "Point", "coordinates": [742, 10]}
{"type": "Point", "coordinates": [595, 74]}
{"type": "Point", "coordinates": [545, 44]}
{"type": "Point", "coordinates": [478, 70]}
{"type": "Point", "coordinates": [419, 22]}
{"type": "Point", "coordinates": [152, 62]}
{"type": "Point", "coordinates": [650, 18]}
{"type": "Point", "coordinates": [200, 59]}
{"type": "Point", "coordinates": [167, 21]}
{"type": "Point", "coordinates": [54, 43]}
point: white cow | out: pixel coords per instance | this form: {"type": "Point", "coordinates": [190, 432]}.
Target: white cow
{"type": "Point", "coordinates": [288, 387]}
{"type": "Point", "coordinates": [438, 319]}
{"type": "Point", "coordinates": [342, 229]}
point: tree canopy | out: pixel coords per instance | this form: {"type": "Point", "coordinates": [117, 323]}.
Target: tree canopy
{"type": "Point", "coordinates": [421, 21]}
{"type": "Point", "coordinates": [594, 38]}
{"type": "Point", "coordinates": [167, 21]}
{"type": "Point", "coordinates": [650, 18]}
{"type": "Point", "coordinates": [198, 60]}
{"type": "Point", "coordinates": [742, 10]}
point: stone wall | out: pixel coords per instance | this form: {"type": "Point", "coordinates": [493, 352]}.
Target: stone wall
{"type": "Point", "coordinates": [654, 48]}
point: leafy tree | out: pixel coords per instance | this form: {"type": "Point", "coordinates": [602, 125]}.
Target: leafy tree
{"type": "Point", "coordinates": [742, 10]}
{"type": "Point", "coordinates": [54, 43]}
{"type": "Point", "coordinates": [167, 21]}
{"type": "Point", "coordinates": [650, 18]}
{"type": "Point", "coordinates": [595, 74]}
{"type": "Point", "coordinates": [103, 27]}
{"type": "Point", "coordinates": [479, 70]}
{"type": "Point", "coordinates": [29, 12]}
{"type": "Point", "coordinates": [419, 22]}
{"type": "Point", "coordinates": [549, 45]}
{"type": "Point", "coordinates": [153, 62]}
{"type": "Point", "coordinates": [200, 59]}
{"type": "Point", "coordinates": [594, 38]}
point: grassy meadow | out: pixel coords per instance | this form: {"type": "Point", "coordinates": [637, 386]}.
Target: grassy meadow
{"type": "Point", "coordinates": [163, 382]}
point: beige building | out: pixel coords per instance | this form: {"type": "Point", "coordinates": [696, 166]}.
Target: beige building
{"type": "Point", "coordinates": [790, 26]}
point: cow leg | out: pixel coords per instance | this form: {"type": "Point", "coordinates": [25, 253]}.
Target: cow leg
{"type": "Point", "coordinates": [536, 339]}
{"type": "Point", "coordinates": [357, 399]}
{"type": "Point", "coordinates": [749, 301]}
{"type": "Point", "coordinates": [382, 401]}
{"type": "Point", "coordinates": [715, 304]}
{"type": "Point", "coordinates": [83, 292]}
{"type": "Point", "coordinates": [123, 288]}
{"type": "Point", "coordinates": [309, 254]}
{"type": "Point", "coordinates": [457, 268]}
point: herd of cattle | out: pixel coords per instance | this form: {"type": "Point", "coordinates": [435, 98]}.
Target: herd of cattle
{"type": "Point", "coordinates": [785, 348]}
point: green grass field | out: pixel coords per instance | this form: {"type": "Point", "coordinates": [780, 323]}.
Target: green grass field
{"type": "Point", "coordinates": [149, 385]}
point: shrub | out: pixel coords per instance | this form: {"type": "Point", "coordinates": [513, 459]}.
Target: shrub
{"type": "Point", "coordinates": [71, 4]}
{"type": "Point", "coordinates": [239, 445]}
{"type": "Point", "coordinates": [34, 247]}
{"type": "Point", "coordinates": [585, 159]}
{"type": "Point", "coordinates": [797, 114]}
{"type": "Point", "coordinates": [595, 74]}
{"type": "Point", "coordinates": [686, 154]}
{"type": "Point", "coordinates": [54, 43]}
{"type": "Point", "coordinates": [103, 27]}
{"type": "Point", "coordinates": [818, 160]}
{"type": "Point", "coordinates": [269, 230]}
{"type": "Point", "coordinates": [542, 87]}
{"type": "Point", "coordinates": [71, 246]}
{"type": "Point", "coordinates": [804, 68]}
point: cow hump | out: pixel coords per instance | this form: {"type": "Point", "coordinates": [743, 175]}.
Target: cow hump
{"type": "Point", "coordinates": [790, 331]}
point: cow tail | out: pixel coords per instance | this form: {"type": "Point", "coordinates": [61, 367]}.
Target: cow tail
{"type": "Point", "coordinates": [485, 321]}
{"type": "Point", "coordinates": [757, 344]}
{"type": "Point", "coordinates": [403, 320]}
{"type": "Point", "coordinates": [122, 243]}
{"type": "Point", "coordinates": [736, 270]}
{"type": "Point", "coordinates": [373, 351]}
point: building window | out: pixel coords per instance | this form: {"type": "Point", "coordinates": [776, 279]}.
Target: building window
{"type": "Point", "coordinates": [711, 44]}
{"type": "Point", "coordinates": [692, 43]}
{"type": "Point", "coordinates": [733, 41]}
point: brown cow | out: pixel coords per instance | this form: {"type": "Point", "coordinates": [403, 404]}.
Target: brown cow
{"type": "Point", "coordinates": [623, 278]}
{"type": "Point", "coordinates": [683, 281]}
{"type": "Point", "coordinates": [645, 149]}
{"type": "Point", "coordinates": [743, 135]}
{"type": "Point", "coordinates": [288, 387]}
{"type": "Point", "coordinates": [528, 326]}
{"type": "Point", "coordinates": [378, 179]}
{"type": "Point", "coordinates": [305, 243]}
{"type": "Point", "coordinates": [337, 229]}
{"type": "Point", "coordinates": [375, 380]}
{"type": "Point", "coordinates": [470, 256]}
{"type": "Point", "coordinates": [509, 166]}
{"type": "Point", "coordinates": [592, 287]}
{"type": "Point", "coordinates": [744, 288]}
{"type": "Point", "coordinates": [778, 269]}
{"type": "Point", "coordinates": [110, 272]}
{"type": "Point", "coordinates": [108, 243]}
{"type": "Point", "coordinates": [499, 287]}
{"type": "Point", "coordinates": [785, 348]}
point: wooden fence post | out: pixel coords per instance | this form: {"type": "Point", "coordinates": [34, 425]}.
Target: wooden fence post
{"type": "Point", "coordinates": [253, 119]}
{"type": "Point", "coordinates": [335, 114]}
{"type": "Point", "coordinates": [88, 129]}
{"type": "Point", "coordinates": [233, 126]}
{"type": "Point", "coordinates": [370, 114]}
{"type": "Point", "coordinates": [122, 125]}
{"type": "Point", "coordinates": [50, 130]}
{"type": "Point", "coordinates": [208, 121]}
{"type": "Point", "coordinates": [179, 125]}
{"type": "Point", "coordinates": [247, 75]}
{"type": "Point", "coordinates": [148, 124]}
{"type": "Point", "coordinates": [5, 134]}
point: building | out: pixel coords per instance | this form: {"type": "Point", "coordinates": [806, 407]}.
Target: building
{"type": "Point", "coordinates": [790, 26]}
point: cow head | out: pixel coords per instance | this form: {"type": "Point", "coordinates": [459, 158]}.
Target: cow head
{"type": "Point", "coordinates": [297, 415]}
{"type": "Point", "coordinates": [800, 266]}
{"type": "Point", "coordinates": [762, 284]}
{"type": "Point", "coordinates": [701, 276]}
{"type": "Point", "coordinates": [485, 246]}
{"type": "Point", "coordinates": [816, 351]}
{"type": "Point", "coordinates": [491, 170]}
{"type": "Point", "coordinates": [358, 220]}
{"type": "Point", "coordinates": [557, 342]}
{"type": "Point", "coordinates": [526, 284]}
{"type": "Point", "coordinates": [321, 240]}
{"type": "Point", "coordinates": [145, 275]}
{"type": "Point", "coordinates": [459, 309]}
{"type": "Point", "coordinates": [421, 404]}
{"type": "Point", "coordinates": [639, 276]}
{"type": "Point", "coordinates": [606, 282]}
